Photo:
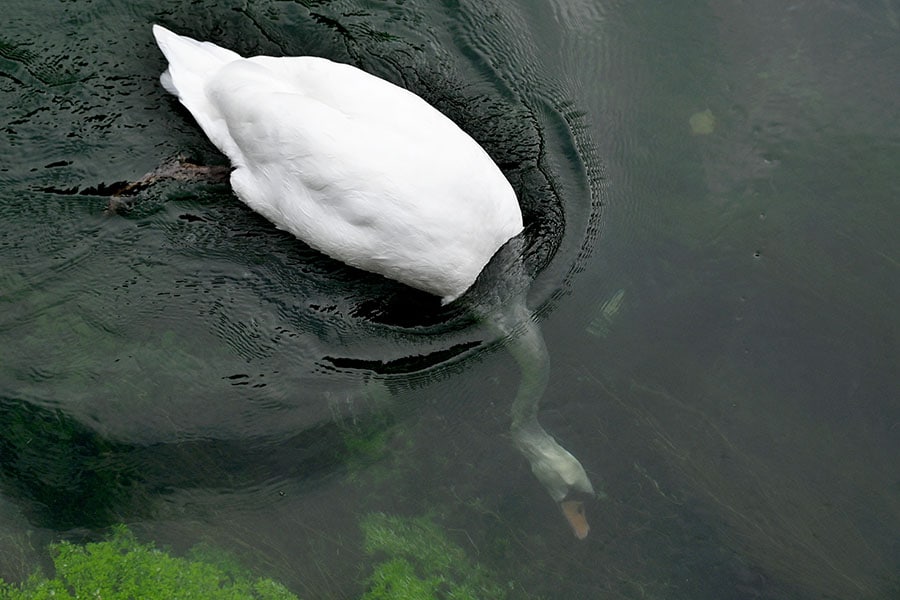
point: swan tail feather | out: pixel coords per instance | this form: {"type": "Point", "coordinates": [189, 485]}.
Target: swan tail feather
{"type": "Point", "coordinates": [192, 66]}
{"type": "Point", "coordinates": [191, 62]}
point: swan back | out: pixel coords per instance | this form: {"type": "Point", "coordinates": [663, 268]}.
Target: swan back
{"type": "Point", "coordinates": [353, 165]}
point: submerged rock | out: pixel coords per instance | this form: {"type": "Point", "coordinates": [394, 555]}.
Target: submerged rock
{"type": "Point", "coordinates": [702, 123]}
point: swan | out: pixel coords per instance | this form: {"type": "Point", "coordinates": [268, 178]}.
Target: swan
{"type": "Point", "coordinates": [372, 175]}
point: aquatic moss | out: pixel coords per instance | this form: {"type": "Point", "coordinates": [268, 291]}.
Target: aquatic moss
{"type": "Point", "coordinates": [422, 563]}
{"type": "Point", "coordinates": [396, 579]}
{"type": "Point", "coordinates": [418, 562]}
{"type": "Point", "coordinates": [122, 568]}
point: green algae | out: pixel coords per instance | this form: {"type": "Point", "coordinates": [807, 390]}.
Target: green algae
{"type": "Point", "coordinates": [416, 560]}
{"type": "Point", "coordinates": [422, 563]}
{"type": "Point", "coordinates": [121, 568]}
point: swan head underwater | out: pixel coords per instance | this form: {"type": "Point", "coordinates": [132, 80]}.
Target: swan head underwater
{"type": "Point", "coordinates": [373, 176]}
{"type": "Point", "coordinates": [560, 473]}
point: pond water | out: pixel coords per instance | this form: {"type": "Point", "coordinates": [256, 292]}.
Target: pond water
{"type": "Point", "coordinates": [710, 193]}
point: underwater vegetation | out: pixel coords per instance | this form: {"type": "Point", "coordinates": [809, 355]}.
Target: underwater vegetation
{"type": "Point", "coordinates": [421, 563]}
{"type": "Point", "coordinates": [123, 568]}
{"type": "Point", "coordinates": [416, 562]}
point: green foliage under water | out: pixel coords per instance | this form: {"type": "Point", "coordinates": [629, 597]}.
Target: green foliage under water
{"type": "Point", "coordinates": [422, 563]}
{"type": "Point", "coordinates": [122, 568]}
{"type": "Point", "coordinates": [419, 563]}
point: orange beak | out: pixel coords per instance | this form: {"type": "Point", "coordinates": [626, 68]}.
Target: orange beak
{"type": "Point", "coordinates": [574, 513]}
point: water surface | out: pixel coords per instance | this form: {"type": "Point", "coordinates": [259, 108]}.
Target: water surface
{"type": "Point", "coordinates": [710, 197]}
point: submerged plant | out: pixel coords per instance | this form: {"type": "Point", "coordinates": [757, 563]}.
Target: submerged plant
{"type": "Point", "coordinates": [121, 568]}
{"type": "Point", "coordinates": [418, 562]}
{"type": "Point", "coordinates": [421, 564]}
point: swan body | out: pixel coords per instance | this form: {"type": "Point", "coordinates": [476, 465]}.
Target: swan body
{"type": "Point", "coordinates": [373, 176]}
{"type": "Point", "coordinates": [358, 168]}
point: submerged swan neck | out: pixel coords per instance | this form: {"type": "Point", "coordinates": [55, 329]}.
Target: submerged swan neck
{"type": "Point", "coordinates": [558, 471]}
{"type": "Point", "coordinates": [526, 344]}
{"type": "Point", "coordinates": [553, 465]}
{"type": "Point", "coordinates": [505, 310]}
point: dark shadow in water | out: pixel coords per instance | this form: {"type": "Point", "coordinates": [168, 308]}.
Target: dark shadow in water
{"type": "Point", "coordinates": [66, 476]}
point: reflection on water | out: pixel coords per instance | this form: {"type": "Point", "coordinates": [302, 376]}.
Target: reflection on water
{"type": "Point", "coordinates": [722, 346]}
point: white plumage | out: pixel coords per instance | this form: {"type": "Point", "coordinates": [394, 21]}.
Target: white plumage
{"type": "Point", "coordinates": [353, 165]}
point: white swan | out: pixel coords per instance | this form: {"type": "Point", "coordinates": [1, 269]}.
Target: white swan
{"type": "Point", "coordinates": [372, 175]}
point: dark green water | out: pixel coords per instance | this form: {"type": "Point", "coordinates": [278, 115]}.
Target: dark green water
{"type": "Point", "coordinates": [711, 197]}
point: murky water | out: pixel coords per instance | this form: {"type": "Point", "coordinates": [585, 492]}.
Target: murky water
{"type": "Point", "coordinates": [710, 196]}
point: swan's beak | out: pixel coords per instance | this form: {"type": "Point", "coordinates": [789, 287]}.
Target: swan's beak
{"type": "Point", "coordinates": [574, 513]}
